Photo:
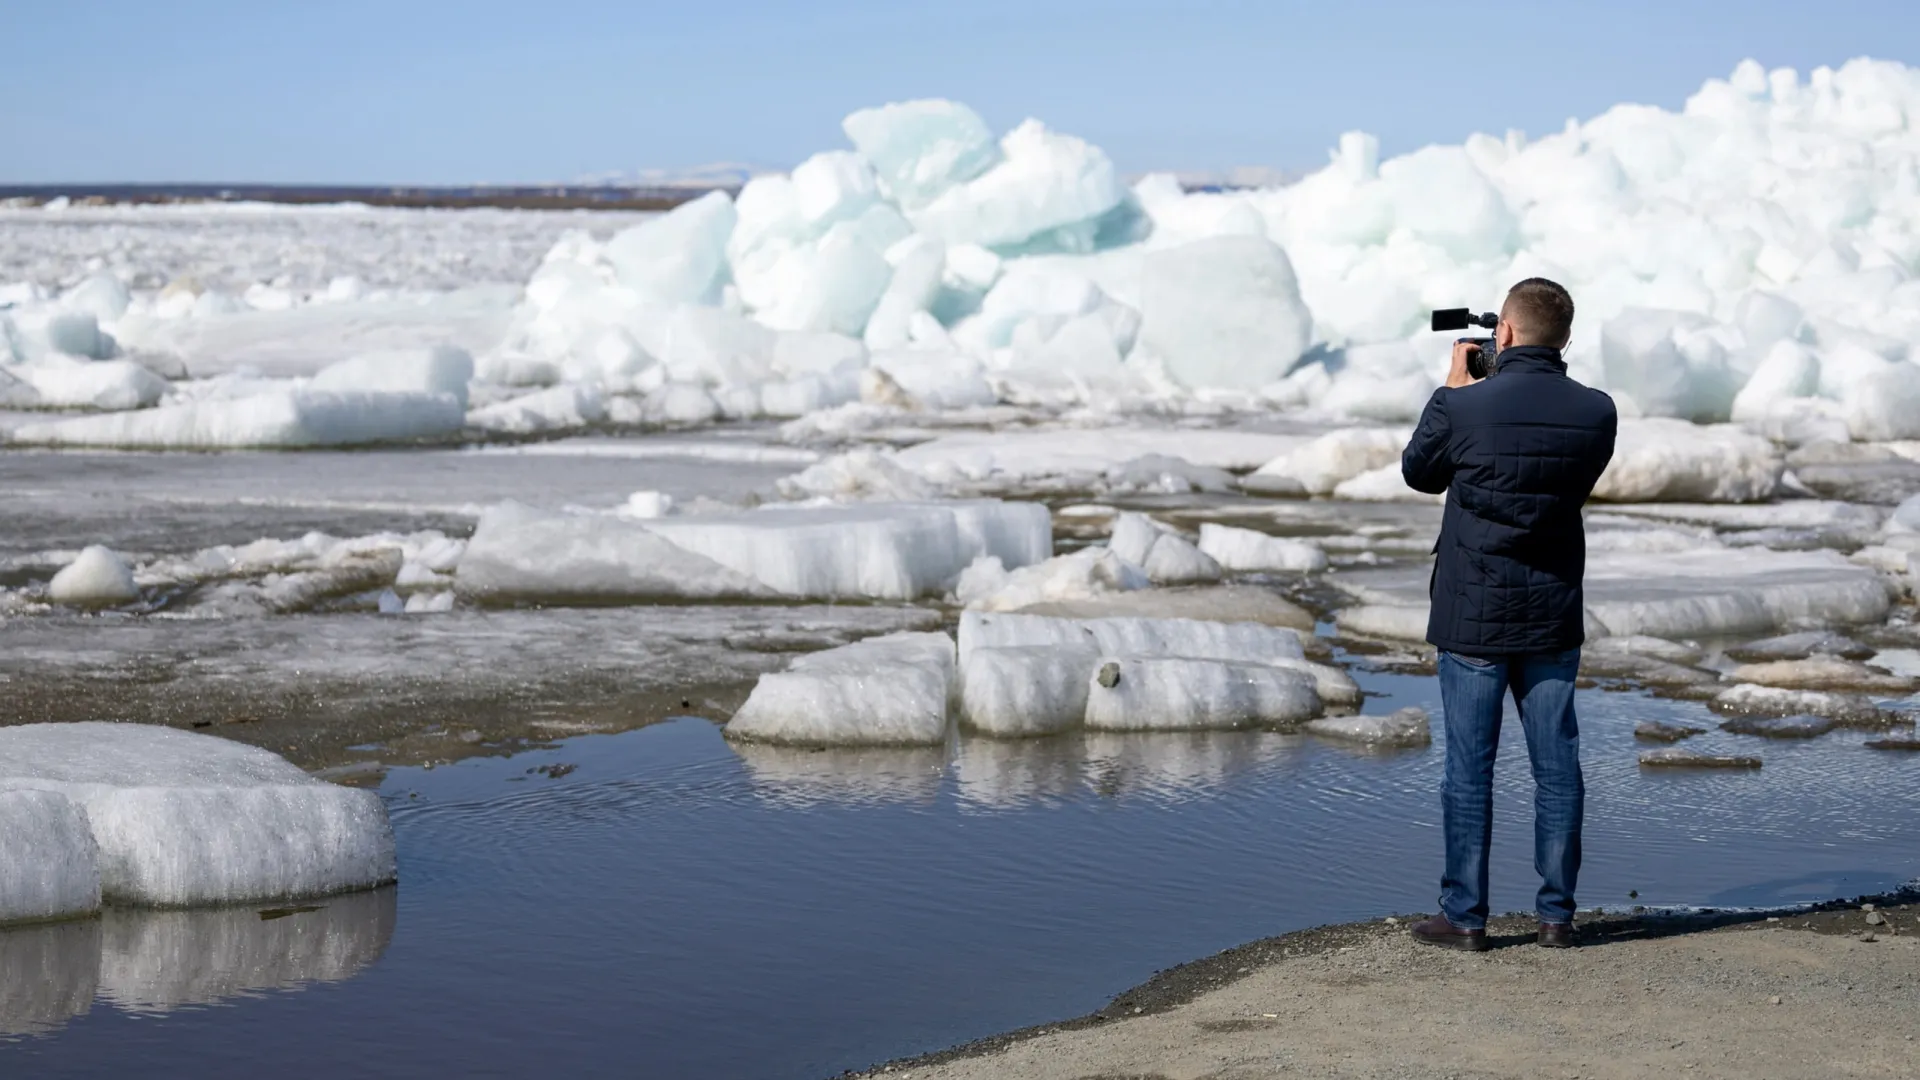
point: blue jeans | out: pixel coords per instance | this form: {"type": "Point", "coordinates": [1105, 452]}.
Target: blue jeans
{"type": "Point", "coordinates": [1472, 691]}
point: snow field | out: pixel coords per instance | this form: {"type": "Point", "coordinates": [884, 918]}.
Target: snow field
{"type": "Point", "coordinates": [179, 819]}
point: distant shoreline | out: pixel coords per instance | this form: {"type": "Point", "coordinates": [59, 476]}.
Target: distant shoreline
{"type": "Point", "coordinates": [510, 197]}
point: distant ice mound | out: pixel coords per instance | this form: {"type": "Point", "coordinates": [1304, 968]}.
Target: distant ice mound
{"type": "Point", "coordinates": [1747, 257]}
{"type": "Point", "coordinates": [176, 819]}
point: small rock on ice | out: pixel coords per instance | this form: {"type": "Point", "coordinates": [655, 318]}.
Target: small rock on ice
{"type": "Point", "coordinates": [1175, 694]}
{"type": "Point", "coordinates": [98, 578]}
{"type": "Point", "coordinates": [1664, 731]}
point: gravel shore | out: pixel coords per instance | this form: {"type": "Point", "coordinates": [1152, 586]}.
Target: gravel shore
{"type": "Point", "coordinates": [1833, 992]}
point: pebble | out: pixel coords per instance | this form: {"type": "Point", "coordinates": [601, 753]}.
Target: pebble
{"type": "Point", "coordinates": [1874, 918]}
{"type": "Point", "coordinates": [1774, 1000]}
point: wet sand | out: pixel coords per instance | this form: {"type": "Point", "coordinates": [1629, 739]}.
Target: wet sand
{"type": "Point", "coordinates": [1820, 994]}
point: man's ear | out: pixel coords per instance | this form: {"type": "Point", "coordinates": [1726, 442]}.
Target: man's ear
{"type": "Point", "coordinates": [1503, 336]}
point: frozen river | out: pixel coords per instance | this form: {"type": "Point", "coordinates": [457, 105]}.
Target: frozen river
{"type": "Point", "coordinates": [508, 515]}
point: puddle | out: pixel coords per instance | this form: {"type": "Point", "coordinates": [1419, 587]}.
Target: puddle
{"type": "Point", "coordinates": [660, 903]}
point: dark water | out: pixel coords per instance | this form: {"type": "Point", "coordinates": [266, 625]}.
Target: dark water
{"type": "Point", "coordinates": [676, 908]}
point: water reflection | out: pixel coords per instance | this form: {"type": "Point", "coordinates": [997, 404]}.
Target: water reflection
{"type": "Point", "coordinates": [155, 961]}
{"type": "Point", "coordinates": [801, 776]}
{"type": "Point", "coordinates": [1012, 773]}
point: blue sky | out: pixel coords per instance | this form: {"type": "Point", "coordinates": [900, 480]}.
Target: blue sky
{"type": "Point", "coordinates": [443, 92]}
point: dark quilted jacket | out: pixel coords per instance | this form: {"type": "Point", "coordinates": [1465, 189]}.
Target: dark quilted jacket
{"type": "Point", "coordinates": [1517, 456]}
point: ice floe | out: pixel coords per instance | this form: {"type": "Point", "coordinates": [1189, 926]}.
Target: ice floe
{"type": "Point", "coordinates": [1404, 727]}
{"type": "Point", "coordinates": [97, 578]}
{"type": "Point", "coordinates": [895, 690]}
{"type": "Point", "coordinates": [179, 818]}
{"type": "Point", "coordinates": [49, 863]}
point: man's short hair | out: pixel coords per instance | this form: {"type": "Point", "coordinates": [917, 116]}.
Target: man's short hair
{"type": "Point", "coordinates": [1541, 312]}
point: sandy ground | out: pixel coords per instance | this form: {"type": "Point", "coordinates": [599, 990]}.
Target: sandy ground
{"type": "Point", "coordinates": [1738, 996]}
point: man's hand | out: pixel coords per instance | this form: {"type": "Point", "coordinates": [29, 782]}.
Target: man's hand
{"type": "Point", "coordinates": [1458, 376]}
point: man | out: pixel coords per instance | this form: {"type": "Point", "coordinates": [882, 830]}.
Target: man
{"type": "Point", "coordinates": [1517, 454]}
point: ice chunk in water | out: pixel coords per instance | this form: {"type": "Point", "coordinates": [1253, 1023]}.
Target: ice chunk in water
{"type": "Point", "coordinates": [1247, 551]}
{"type": "Point", "coordinates": [1322, 465]}
{"type": "Point", "coordinates": [1679, 757]}
{"type": "Point", "coordinates": [680, 256]}
{"type": "Point", "coordinates": [1166, 556]}
{"type": "Point", "coordinates": [1247, 643]}
{"type": "Point", "coordinates": [521, 555]}
{"type": "Point", "coordinates": [1781, 727]}
{"type": "Point", "coordinates": [1674, 461]}
{"type": "Point", "coordinates": [1026, 691]}
{"type": "Point", "coordinates": [1223, 312]}
{"type": "Point", "coordinates": [1407, 727]}
{"type": "Point", "coordinates": [1175, 694]}
{"type": "Point", "coordinates": [191, 819]}
{"type": "Point", "coordinates": [894, 690]}
{"type": "Point", "coordinates": [558, 408]}
{"type": "Point", "coordinates": [1749, 699]}
{"type": "Point", "coordinates": [987, 585]}
{"type": "Point", "coordinates": [1824, 673]}
{"type": "Point", "coordinates": [891, 551]}
{"type": "Point", "coordinates": [1385, 484]}
{"type": "Point", "coordinates": [443, 369]}
{"type": "Point", "coordinates": [97, 578]}
{"type": "Point", "coordinates": [285, 419]}
{"type": "Point", "coordinates": [62, 383]}
{"type": "Point", "coordinates": [1392, 621]}
{"type": "Point", "coordinates": [49, 864]}
{"type": "Point", "coordinates": [919, 149]}
{"type": "Point", "coordinates": [1799, 647]}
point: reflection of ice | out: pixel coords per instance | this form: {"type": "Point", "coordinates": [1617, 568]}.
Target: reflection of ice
{"type": "Point", "coordinates": [158, 960]}
{"type": "Point", "coordinates": [1009, 774]}
{"type": "Point", "coordinates": [1176, 764]}
{"type": "Point", "coordinates": [804, 775]}
{"type": "Point", "coordinates": [47, 975]}
{"type": "Point", "coordinates": [1005, 773]}
{"type": "Point", "coordinates": [152, 961]}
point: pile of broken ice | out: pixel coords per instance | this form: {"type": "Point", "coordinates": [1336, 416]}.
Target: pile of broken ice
{"type": "Point", "coordinates": [1746, 259]}
{"type": "Point", "coordinates": [97, 813]}
{"type": "Point", "coordinates": [1022, 675]}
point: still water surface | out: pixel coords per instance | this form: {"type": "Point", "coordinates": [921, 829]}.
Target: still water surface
{"type": "Point", "coordinates": [677, 907]}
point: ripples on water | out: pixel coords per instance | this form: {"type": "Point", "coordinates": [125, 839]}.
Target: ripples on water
{"type": "Point", "coordinates": [680, 907]}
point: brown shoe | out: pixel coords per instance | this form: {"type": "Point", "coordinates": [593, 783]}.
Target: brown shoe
{"type": "Point", "coordinates": [1438, 931]}
{"type": "Point", "coordinates": [1556, 935]}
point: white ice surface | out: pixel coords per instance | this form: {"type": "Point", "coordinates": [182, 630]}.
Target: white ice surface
{"type": "Point", "coordinates": [885, 551]}
{"type": "Point", "coordinates": [287, 419]}
{"type": "Point", "coordinates": [445, 369]}
{"type": "Point", "coordinates": [98, 577]}
{"type": "Point", "coordinates": [1406, 727]}
{"type": "Point", "coordinates": [184, 819]}
{"type": "Point", "coordinates": [49, 864]}
{"type": "Point", "coordinates": [895, 690]}
{"type": "Point", "coordinates": [1705, 592]}
{"type": "Point", "coordinates": [1250, 643]}
{"type": "Point", "coordinates": [1031, 690]}
{"type": "Point", "coordinates": [1323, 464]}
{"type": "Point", "coordinates": [1249, 551]}
{"type": "Point", "coordinates": [1674, 461]}
{"type": "Point", "coordinates": [987, 585]}
{"type": "Point", "coordinates": [1178, 694]}
{"type": "Point", "coordinates": [521, 555]}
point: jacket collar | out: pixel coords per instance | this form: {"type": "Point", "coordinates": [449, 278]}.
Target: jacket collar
{"type": "Point", "coordinates": [1534, 358]}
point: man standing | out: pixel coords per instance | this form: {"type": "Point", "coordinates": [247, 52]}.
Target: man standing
{"type": "Point", "coordinates": [1517, 454]}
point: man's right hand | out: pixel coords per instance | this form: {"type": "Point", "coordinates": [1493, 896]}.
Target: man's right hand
{"type": "Point", "coordinates": [1458, 376]}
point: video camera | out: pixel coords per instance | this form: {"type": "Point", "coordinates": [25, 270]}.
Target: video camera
{"type": "Point", "coordinates": [1479, 364]}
